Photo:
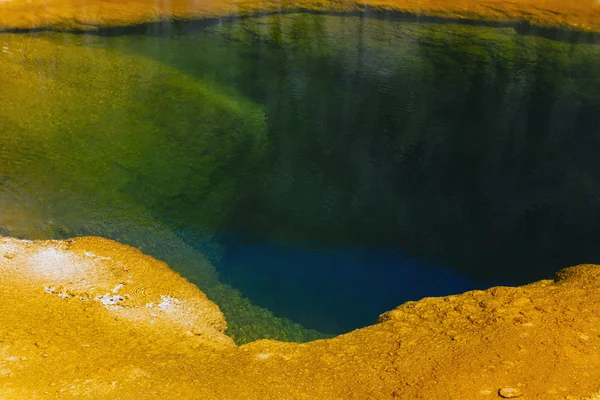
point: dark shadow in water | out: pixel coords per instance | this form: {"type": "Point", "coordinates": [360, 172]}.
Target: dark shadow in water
{"type": "Point", "coordinates": [471, 144]}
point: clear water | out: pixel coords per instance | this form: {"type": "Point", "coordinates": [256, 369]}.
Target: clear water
{"type": "Point", "coordinates": [309, 172]}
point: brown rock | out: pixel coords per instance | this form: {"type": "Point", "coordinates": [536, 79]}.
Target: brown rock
{"type": "Point", "coordinates": [510, 393]}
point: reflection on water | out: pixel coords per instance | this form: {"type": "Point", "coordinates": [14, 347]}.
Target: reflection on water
{"type": "Point", "coordinates": [329, 167]}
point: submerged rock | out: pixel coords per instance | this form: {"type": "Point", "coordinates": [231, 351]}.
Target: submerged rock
{"type": "Point", "coordinates": [89, 317]}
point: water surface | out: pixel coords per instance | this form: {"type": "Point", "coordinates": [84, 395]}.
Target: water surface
{"type": "Point", "coordinates": [310, 172]}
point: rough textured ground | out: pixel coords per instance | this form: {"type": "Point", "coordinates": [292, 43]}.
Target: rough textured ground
{"type": "Point", "coordinates": [90, 318]}
{"type": "Point", "coordinates": [81, 14]}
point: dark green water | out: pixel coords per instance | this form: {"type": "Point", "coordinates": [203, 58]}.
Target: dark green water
{"type": "Point", "coordinates": [310, 172]}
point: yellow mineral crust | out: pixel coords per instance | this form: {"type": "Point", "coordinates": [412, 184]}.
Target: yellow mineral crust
{"type": "Point", "coordinates": [91, 318]}
{"type": "Point", "coordinates": [81, 14]}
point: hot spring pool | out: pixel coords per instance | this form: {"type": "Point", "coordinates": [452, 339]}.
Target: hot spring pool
{"type": "Point", "coordinates": [309, 172]}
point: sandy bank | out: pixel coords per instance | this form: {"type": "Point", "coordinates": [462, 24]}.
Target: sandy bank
{"type": "Point", "coordinates": [90, 318]}
{"type": "Point", "coordinates": [79, 14]}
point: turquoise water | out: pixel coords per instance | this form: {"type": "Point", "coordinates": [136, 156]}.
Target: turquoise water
{"type": "Point", "coordinates": [309, 172]}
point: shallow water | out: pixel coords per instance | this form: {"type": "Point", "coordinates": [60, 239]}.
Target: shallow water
{"type": "Point", "coordinates": [310, 172]}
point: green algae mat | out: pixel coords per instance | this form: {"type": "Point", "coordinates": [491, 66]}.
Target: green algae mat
{"type": "Point", "coordinates": [471, 145]}
{"type": "Point", "coordinates": [92, 141]}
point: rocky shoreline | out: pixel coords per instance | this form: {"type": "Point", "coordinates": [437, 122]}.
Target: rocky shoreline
{"type": "Point", "coordinates": [581, 15]}
{"type": "Point", "coordinates": [89, 317]}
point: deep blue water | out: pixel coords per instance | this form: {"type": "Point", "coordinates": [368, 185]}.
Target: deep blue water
{"type": "Point", "coordinates": [334, 290]}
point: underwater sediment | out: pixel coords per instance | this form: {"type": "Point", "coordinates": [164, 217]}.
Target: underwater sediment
{"type": "Point", "coordinates": [113, 135]}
